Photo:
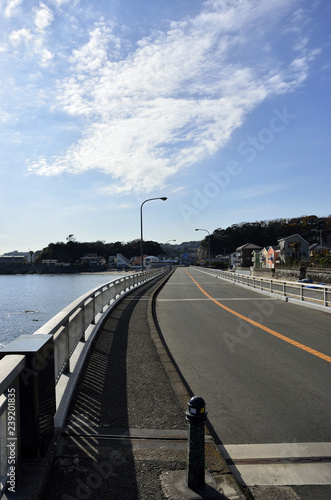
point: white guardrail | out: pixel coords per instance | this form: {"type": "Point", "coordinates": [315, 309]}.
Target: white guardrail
{"type": "Point", "coordinates": [58, 344]}
{"type": "Point", "coordinates": [304, 292]}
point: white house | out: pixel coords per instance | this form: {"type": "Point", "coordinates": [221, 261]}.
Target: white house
{"type": "Point", "coordinates": [122, 262]}
{"type": "Point", "coordinates": [149, 261]}
{"type": "Point", "coordinates": [234, 259]}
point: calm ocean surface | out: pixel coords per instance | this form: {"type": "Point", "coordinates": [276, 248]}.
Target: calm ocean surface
{"type": "Point", "coordinates": [29, 301]}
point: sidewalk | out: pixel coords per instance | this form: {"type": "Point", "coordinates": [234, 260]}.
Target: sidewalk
{"type": "Point", "coordinates": [125, 435]}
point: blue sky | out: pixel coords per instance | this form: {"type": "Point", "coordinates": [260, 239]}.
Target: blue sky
{"type": "Point", "coordinates": [223, 106]}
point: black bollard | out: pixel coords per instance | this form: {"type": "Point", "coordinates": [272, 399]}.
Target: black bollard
{"type": "Point", "coordinates": [195, 469]}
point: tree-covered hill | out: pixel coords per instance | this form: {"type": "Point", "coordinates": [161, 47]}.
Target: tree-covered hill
{"type": "Point", "coordinates": [264, 233]}
{"type": "Point", "coordinates": [72, 251]}
{"type": "Point", "coordinates": [223, 241]}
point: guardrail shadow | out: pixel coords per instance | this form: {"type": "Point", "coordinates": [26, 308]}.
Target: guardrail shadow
{"type": "Point", "coordinates": [94, 459]}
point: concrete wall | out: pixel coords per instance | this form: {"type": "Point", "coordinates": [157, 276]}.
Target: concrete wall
{"type": "Point", "coordinates": [295, 273]}
{"type": "Point", "coordinates": [319, 275]}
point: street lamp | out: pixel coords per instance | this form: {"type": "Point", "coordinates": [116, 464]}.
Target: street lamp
{"type": "Point", "coordinates": [141, 228]}
{"type": "Point", "coordinates": [208, 242]}
{"type": "Point", "coordinates": [166, 247]}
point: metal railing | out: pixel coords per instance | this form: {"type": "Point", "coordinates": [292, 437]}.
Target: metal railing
{"type": "Point", "coordinates": [304, 292]}
{"type": "Point", "coordinates": [39, 361]}
{"type": "Point", "coordinates": [76, 322]}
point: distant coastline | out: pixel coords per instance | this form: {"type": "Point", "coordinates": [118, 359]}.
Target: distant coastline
{"type": "Point", "coordinates": [28, 269]}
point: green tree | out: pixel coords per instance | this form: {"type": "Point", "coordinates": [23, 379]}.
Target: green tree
{"type": "Point", "coordinates": [295, 245]}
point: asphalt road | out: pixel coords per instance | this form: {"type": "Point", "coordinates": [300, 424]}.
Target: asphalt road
{"type": "Point", "coordinates": [262, 365]}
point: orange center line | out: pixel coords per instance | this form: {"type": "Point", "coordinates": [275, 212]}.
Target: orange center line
{"type": "Point", "coordinates": [262, 327]}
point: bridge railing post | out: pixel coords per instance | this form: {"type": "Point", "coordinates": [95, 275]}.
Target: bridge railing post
{"type": "Point", "coordinates": [10, 368]}
{"type": "Point", "coordinates": [37, 403]}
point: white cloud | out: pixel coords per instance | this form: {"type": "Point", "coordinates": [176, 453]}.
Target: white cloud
{"type": "Point", "coordinates": [261, 190]}
{"type": "Point", "coordinates": [17, 36]}
{"type": "Point", "coordinates": [61, 2]}
{"type": "Point", "coordinates": [326, 66]}
{"type": "Point", "coordinates": [180, 188]}
{"type": "Point", "coordinates": [4, 116]}
{"type": "Point", "coordinates": [93, 56]}
{"type": "Point", "coordinates": [43, 17]}
{"type": "Point", "coordinates": [176, 98]}
{"type": "Point", "coordinates": [12, 7]}
{"type": "Point", "coordinates": [31, 43]}
{"type": "Point", "coordinates": [46, 56]}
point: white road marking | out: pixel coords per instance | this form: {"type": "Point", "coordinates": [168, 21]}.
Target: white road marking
{"type": "Point", "coordinates": [280, 464]}
{"type": "Point", "coordinates": [223, 299]}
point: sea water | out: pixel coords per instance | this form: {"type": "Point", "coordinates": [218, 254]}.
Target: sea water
{"type": "Point", "coordinates": [28, 301]}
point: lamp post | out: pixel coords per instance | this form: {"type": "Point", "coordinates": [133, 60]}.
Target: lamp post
{"type": "Point", "coordinates": [208, 243]}
{"type": "Point", "coordinates": [141, 228]}
{"type": "Point", "coordinates": [166, 243]}
{"type": "Point", "coordinates": [31, 252]}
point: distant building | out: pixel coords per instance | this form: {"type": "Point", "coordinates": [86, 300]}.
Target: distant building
{"type": "Point", "coordinates": [30, 255]}
{"type": "Point", "coordinates": [288, 249]}
{"type": "Point", "coordinates": [54, 263]}
{"type": "Point", "coordinates": [122, 262]}
{"type": "Point", "coordinates": [257, 258]}
{"type": "Point", "coordinates": [150, 261]}
{"type": "Point", "coordinates": [93, 260]}
{"type": "Point", "coordinates": [273, 257]}
{"type": "Point", "coordinates": [317, 249]}
{"type": "Point", "coordinates": [264, 257]}
{"type": "Point", "coordinates": [13, 260]}
{"type": "Point", "coordinates": [234, 259]}
{"type": "Point", "coordinates": [136, 261]}
{"type": "Point", "coordinates": [244, 254]}
{"type": "Point", "coordinates": [112, 262]}
{"type": "Point", "coordinates": [225, 259]}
